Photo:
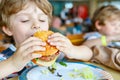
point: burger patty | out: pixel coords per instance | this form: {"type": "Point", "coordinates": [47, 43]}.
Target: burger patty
{"type": "Point", "coordinates": [49, 58]}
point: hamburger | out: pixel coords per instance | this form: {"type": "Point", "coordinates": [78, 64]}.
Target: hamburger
{"type": "Point", "coordinates": [50, 55]}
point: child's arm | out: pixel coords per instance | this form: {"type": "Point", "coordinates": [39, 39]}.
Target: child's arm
{"type": "Point", "coordinates": [102, 41]}
{"type": "Point", "coordinates": [93, 42]}
{"type": "Point", "coordinates": [73, 52]}
{"type": "Point", "coordinates": [6, 67]}
{"type": "Point", "coordinates": [81, 52]}
{"type": "Point", "coordinates": [22, 56]}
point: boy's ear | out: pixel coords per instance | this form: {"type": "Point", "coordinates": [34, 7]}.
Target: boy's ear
{"type": "Point", "coordinates": [7, 31]}
{"type": "Point", "coordinates": [97, 25]}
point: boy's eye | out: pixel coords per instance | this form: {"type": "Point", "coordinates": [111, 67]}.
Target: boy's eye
{"type": "Point", "coordinates": [42, 20]}
{"type": "Point", "coordinates": [25, 21]}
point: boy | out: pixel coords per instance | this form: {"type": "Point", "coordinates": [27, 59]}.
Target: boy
{"type": "Point", "coordinates": [107, 22]}
{"type": "Point", "coordinates": [21, 19]}
{"type": "Point", "coordinates": [105, 43]}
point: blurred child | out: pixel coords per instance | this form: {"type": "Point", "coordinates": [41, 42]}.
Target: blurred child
{"type": "Point", "coordinates": [107, 22]}
{"type": "Point", "coordinates": [21, 19]}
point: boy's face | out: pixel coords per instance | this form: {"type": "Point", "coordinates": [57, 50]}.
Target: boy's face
{"type": "Point", "coordinates": [111, 27]}
{"type": "Point", "coordinates": [26, 22]}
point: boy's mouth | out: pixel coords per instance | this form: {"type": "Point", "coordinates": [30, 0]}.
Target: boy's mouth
{"type": "Point", "coordinates": [31, 35]}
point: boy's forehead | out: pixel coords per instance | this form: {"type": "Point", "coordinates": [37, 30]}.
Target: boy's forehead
{"type": "Point", "coordinates": [112, 20]}
{"type": "Point", "coordinates": [28, 9]}
{"type": "Point", "coordinates": [115, 18]}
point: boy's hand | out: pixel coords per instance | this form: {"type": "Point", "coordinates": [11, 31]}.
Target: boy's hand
{"type": "Point", "coordinates": [61, 42]}
{"type": "Point", "coordinates": [25, 52]}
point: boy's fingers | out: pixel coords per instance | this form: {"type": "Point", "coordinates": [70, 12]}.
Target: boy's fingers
{"type": "Point", "coordinates": [34, 55]}
{"type": "Point", "coordinates": [31, 39]}
{"type": "Point", "coordinates": [56, 35]}
{"type": "Point", "coordinates": [33, 49]}
{"type": "Point", "coordinates": [31, 45]}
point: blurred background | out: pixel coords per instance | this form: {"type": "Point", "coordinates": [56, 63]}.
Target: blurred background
{"type": "Point", "coordinates": [75, 15]}
{"type": "Point", "coordinates": [59, 5]}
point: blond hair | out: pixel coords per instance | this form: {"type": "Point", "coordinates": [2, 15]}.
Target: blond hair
{"type": "Point", "coordinates": [105, 13]}
{"type": "Point", "coordinates": [9, 7]}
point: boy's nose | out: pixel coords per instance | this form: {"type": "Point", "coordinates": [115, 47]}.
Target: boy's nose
{"type": "Point", "coordinates": [35, 26]}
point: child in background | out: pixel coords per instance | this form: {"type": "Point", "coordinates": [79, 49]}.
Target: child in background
{"type": "Point", "coordinates": [107, 22]}
{"type": "Point", "coordinates": [20, 19]}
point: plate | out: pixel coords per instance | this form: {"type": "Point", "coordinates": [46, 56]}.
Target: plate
{"type": "Point", "coordinates": [63, 71]}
